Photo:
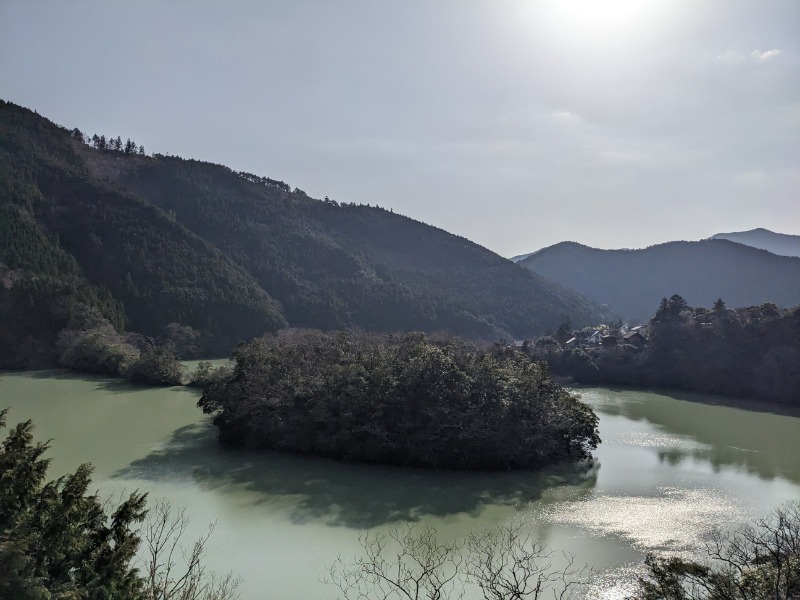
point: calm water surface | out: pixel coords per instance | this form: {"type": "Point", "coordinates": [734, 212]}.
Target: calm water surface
{"type": "Point", "coordinates": [669, 470]}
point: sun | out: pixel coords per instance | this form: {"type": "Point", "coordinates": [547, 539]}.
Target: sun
{"type": "Point", "coordinates": [603, 14]}
{"type": "Point", "coordinates": [595, 20]}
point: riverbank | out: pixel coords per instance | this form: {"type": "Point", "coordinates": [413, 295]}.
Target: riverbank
{"type": "Point", "coordinates": [747, 404]}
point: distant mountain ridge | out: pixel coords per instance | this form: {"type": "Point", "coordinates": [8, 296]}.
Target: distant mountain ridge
{"type": "Point", "coordinates": [150, 241]}
{"type": "Point", "coordinates": [783, 244]}
{"type": "Point", "coordinates": [632, 282]}
{"type": "Point", "coordinates": [520, 257]}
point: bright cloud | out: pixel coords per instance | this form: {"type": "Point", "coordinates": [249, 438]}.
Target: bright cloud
{"type": "Point", "coordinates": [733, 56]}
{"type": "Point", "coordinates": [767, 55]}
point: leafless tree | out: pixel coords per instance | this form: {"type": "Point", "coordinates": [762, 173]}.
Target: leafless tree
{"type": "Point", "coordinates": [507, 564]}
{"type": "Point", "coordinates": [755, 562]}
{"type": "Point", "coordinates": [175, 570]}
{"type": "Point", "coordinates": [408, 563]}
{"type": "Point", "coordinates": [411, 564]}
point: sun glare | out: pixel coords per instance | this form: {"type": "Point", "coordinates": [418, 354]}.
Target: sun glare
{"type": "Point", "coordinates": [596, 20]}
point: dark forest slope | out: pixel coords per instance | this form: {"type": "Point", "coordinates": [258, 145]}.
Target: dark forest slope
{"type": "Point", "coordinates": [68, 237]}
{"type": "Point", "coordinates": [155, 240]}
{"type": "Point", "coordinates": [337, 265]}
{"type": "Point", "coordinates": [632, 282]}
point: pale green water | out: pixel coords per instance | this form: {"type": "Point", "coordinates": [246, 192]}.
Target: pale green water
{"type": "Point", "coordinates": [668, 471]}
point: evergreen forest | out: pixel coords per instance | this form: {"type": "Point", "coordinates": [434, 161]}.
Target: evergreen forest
{"type": "Point", "coordinates": [157, 242]}
{"type": "Point", "coordinates": [405, 400]}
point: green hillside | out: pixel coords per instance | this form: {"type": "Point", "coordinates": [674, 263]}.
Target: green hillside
{"type": "Point", "coordinates": [151, 241]}
{"type": "Point", "coordinates": [337, 265]}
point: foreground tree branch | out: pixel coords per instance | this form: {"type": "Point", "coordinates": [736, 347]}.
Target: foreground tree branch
{"type": "Point", "coordinates": [411, 564]}
{"type": "Point", "coordinates": [408, 563]}
{"type": "Point", "coordinates": [175, 569]}
{"type": "Point", "coordinates": [754, 562]}
{"type": "Point", "coordinates": [508, 564]}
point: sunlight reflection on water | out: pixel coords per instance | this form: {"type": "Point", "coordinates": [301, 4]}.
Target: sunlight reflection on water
{"type": "Point", "coordinates": [655, 440]}
{"type": "Point", "coordinates": [672, 521]}
{"type": "Point", "coordinates": [615, 584]}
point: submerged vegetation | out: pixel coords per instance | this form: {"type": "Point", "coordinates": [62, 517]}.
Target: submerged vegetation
{"type": "Point", "coordinates": [406, 400]}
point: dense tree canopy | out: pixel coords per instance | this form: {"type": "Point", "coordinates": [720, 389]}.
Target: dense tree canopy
{"type": "Point", "coordinates": [56, 539]}
{"type": "Point", "coordinates": [155, 240]}
{"type": "Point", "coordinates": [406, 400]}
{"type": "Point", "coordinates": [751, 352]}
{"type": "Point", "coordinates": [69, 237]}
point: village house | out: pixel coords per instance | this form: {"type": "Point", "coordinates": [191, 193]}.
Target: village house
{"type": "Point", "coordinates": [634, 338]}
{"type": "Point", "coordinates": [595, 339]}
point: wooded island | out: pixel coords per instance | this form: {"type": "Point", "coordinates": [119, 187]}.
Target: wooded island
{"type": "Point", "coordinates": [403, 400]}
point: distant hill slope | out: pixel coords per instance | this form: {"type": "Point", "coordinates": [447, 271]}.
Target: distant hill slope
{"type": "Point", "coordinates": [520, 257]}
{"type": "Point", "coordinates": [155, 240]}
{"type": "Point", "coordinates": [632, 282]}
{"type": "Point", "coordinates": [782, 244]}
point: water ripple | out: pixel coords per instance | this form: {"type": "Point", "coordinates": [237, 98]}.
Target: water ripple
{"type": "Point", "coordinates": [653, 439]}
{"type": "Point", "coordinates": [673, 520]}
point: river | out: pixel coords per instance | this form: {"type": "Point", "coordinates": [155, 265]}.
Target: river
{"type": "Point", "coordinates": [671, 468]}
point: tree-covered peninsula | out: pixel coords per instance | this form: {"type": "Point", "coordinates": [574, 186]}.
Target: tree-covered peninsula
{"type": "Point", "coordinates": [751, 352]}
{"type": "Point", "coordinates": [403, 400]}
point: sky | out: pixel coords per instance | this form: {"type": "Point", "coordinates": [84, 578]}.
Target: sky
{"type": "Point", "coordinates": [515, 123]}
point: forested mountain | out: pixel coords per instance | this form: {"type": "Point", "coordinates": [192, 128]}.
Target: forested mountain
{"type": "Point", "coordinates": [632, 282]}
{"type": "Point", "coordinates": [156, 240]}
{"type": "Point", "coordinates": [782, 244]}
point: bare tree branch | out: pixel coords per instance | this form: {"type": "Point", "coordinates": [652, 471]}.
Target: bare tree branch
{"type": "Point", "coordinates": [174, 570]}
{"type": "Point", "coordinates": [409, 563]}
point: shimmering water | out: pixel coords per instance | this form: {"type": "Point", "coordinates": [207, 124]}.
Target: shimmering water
{"type": "Point", "coordinates": [669, 470]}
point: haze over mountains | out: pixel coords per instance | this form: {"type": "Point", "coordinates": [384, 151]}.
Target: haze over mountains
{"type": "Point", "coordinates": [782, 244]}
{"type": "Point", "coordinates": [150, 241]}
{"type": "Point", "coordinates": [632, 282]}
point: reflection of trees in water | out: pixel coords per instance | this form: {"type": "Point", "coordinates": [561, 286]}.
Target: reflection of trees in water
{"type": "Point", "coordinates": [761, 443]}
{"type": "Point", "coordinates": [720, 457]}
{"type": "Point", "coordinates": [342, 494]}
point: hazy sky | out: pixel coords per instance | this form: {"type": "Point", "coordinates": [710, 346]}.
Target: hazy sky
{"type": "Point", "coordinates": [518, 124]}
